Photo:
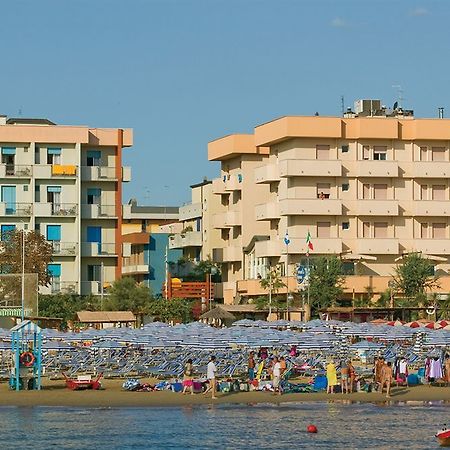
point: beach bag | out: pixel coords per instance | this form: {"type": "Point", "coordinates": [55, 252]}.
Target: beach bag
{"type": "Point", "coordinates": [176, 387]}
{"type": "Point", "coordinates": [320, 383]}
{"type": "Point", "coordinates": [243, 387]}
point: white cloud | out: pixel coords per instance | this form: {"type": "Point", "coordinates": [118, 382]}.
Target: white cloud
{"type": "Point", "coordinates": [339, 23]}
{"type": "Point", "coordinates": [419, 11]}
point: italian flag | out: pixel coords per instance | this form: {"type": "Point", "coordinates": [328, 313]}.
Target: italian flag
{"type": "Point", "coordinates": [308, 242]}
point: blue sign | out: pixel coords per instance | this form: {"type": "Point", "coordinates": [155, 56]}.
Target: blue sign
{"type": "Point", "coordinates": [301, 274]}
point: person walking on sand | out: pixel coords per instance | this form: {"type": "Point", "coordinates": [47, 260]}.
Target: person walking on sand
{"type": "Point", "coordinates": [386, 378]}
{"type": "Point", "coordinates": [276, 376]}
{"type": "Point", "coordinates": [331, 377]}
{"type": "Point", "coordinates": [251, 366]}
{"type": "Point", "coordinates": [344, 378]}
{"type": "Point", "coordinates": [379, 363]}
{"type": "Point", "coordinates": [187, 377]}
{"type": "Point", "coordinates": [351, 376]}
{"type": "Point", "coordinates": [211, 376]}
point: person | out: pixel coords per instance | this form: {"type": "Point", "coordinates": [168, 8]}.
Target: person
{"type": "Point", "coordinates": [259, 276]}
{"type": "Point", "coordinates": [386, 378]}
{"type": "Point", "coordinates": [379, 363]}
{"type": "Point", "coordinates": [344, 378]}
{"type": "Point", "coordinates": [276, 375]}
{"type": "Point", "coordinates": [187, 377]}
{"type": "Point", "coordinates": [331, 377]}
{"type": "Point", "coordinates": [351, 376]}
{"type": "Point", "coordinates": [447, 369]}
{"type": "Point", "coordinates": [283, 366]}
{"type": "Point", "coordinates": [211, 371]}
{"type": "Point", "coordinates": [251, 366]}
{"type": "Point", "coordinates": [322, 196]}
{"type": "Point", "coordinates": [263, 354]}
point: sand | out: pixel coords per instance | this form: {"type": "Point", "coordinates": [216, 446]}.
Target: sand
{"type": "Point", "coordinates": [54, 393]}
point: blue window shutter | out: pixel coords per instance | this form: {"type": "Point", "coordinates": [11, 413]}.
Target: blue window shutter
{"type": "Point", "coordinates": [94, 234]}
{"type": "Point", "coordinates": [96, 154]}
{"type": "Point", "coordinates": [95, 192]}
{"type": "Point", "coordinates": [53, 188]}
{"type": "Point", "coordinates": [5, 229]}
{"type": "Point", "coordinates": [9, 197]}
{"type": "Point", "coordinates": [54, 151]}
{"type": "Point", "coordinates": [53, 232]}
{"type": "Point", "coordinates": [54, 270]}
{"type": "Point", "coordinates": [8, 150]}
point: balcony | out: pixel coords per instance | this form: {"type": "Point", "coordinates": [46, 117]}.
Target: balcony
{"type": "Point", "coordinates": [190, 211]}
{"type": "Point", "coordinates": [16, 209]}
{"type": "Point", "coordinates": [98, 173]}
{"type": "Point", "coordinates": [188, 239]}
{"type": "Point", "coordinates": [267, 211]}
{"type": "Point", "coordinates": [64, 248]}
{"type": "Point", "coordinates": [374, 169]}
{"type": "Point", "coordinates": [431, 169]}
{"type": "Point", "coordinates": [233, 183]}
{"type": "Point", "coordinates": [267, 174]}
{"type": "Point", "coordinates": [227, 219]}
{"type": "Point", "coordinates": [373, 208]}
{"type": "Point", "coordinates": [268, 248]}
{"type": "Point", "coordinates": [48, 171]}
{"type": "Point", "coordinates": [310, 207]}
{"type": "Point", "coordinates": [15, 171]}
{"type": "Point", "coordinates": [431, 208]}
{"type": "Point", "coordinates": [310, 168]}
{"type": "Point", "coordinates": [218, 186]}
{"type": "Point", "coordinates": [94, 249]}
{"type": "Point", "coordinates": [322, 246]}
{"type": "Point", "coordinates": [227, 254]}
{"type": "Point", "coordinates": [432, 246]}
{"type": "Point", "coordinates": [135, 269]}
{"type": "Point", "coordinates": [377, 246]}
{"type": "Point", "coordinates": [94, 287]}
{"type": "Point", "coordinates": [98, 211]}
{"type": "Point", "coordinates": [55, 209]}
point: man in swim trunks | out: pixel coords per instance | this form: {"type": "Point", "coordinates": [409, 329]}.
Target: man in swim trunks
{"type": "Point", "coordinates": [386, 378]}
{"type": "Point", "coordinates": [344, 378]}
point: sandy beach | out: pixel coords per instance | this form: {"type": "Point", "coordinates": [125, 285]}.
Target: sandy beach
{"type": "Point", "coordinates": [54, 393]}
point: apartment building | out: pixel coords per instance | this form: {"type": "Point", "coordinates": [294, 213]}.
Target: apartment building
{"type": "Point", "coordinates": [197, 237]}
{"type": "Point", "coordinates": [369, 187]}
{"type": "Point", "coordinates": [146, 230]}
{"type": "Point", "coordinates": [66, 183]}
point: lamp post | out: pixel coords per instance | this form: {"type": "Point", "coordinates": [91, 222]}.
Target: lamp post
{"type": "Point", "coordinates": [22, 312]}
{"type": "Point", "coordinates": [287, 242]}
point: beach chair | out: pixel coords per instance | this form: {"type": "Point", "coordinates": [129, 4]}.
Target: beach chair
{"type": "Point", "coordinates": [82, 382]}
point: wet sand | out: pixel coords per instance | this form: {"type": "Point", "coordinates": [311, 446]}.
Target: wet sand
{"type": "Point", "coordinates": [54, 393]}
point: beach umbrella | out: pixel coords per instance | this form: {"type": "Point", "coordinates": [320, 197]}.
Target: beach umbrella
{"type": "Point", "coordinates": [433, 326]}
{"type": "Point", "coordinates": [379, 322]}
{"type": "Point", "coordinates": [444, 323]}
{"type": "Point", "coordinates": [447, 327]}
{"type": "Point", "coordinates": [414, 324]}
{"type": "Point", "coordinates": [395, 323]}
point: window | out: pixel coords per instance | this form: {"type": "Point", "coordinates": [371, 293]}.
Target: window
{"type": "Point", "coordinates": [345, 225]}
{"type": "Point", "coordinates": [54, 271]}
{"type": "Point", "coordinates": [6, 230]}
{"type": "Point", "coordinates": [323, 229]}
{"type": "Point", "coordinates": [94, 234]}
{"type": "Point", "coordinates": [53, 156]}
{"type": "Point", "coordinates": [438, 153]}
{"type": "Point", "coordinates": [366, 191]}
{"type": "Point", "coordinates": [438, 192]}
{"type": "Point", "coordinates": [345, 187]}
{"type": "Point", "coordinates": [54, 197]}
{"type": "Point", "coordinates": [366, 230]}
{"type": "Point", "coordinates": [380, 191]}
{"type": "Point", "coordinates": [53, 232]}
{"type": "Point", "coordinates": [348, 268]}
{"type": "Point", "coordinates": [8, 156]}
{"type": "Point", "coordinates": [366, 152]}
{"type": "Point", "coordinates": [424, 230]}
{"type": "Point", "coordinates": [198, 224]}
{"type": "Point", "coordinates": [9, 197]}
{"type": "Point", "coordinates": [323, 190]}
{"type": "Point", "coordinates": [37, 193]}
{"type": "Point", "coordinates": [37, 155]}
{"type": "Point", "coordinates": [94, 158]}
{"type": "Point", "coordinates": [439, 231]}
{"type": "Point", "coordinates": [25, 187]}
{"type": "Point", "coordinates": [379, 153]}
{"type": "Point", "coordinates": [94, 196]}
{"type": "Point", "coordinates": [322, 152]}
{"type": "Point", "coordinates": [345, 149]}
{"type": "Point", "coordinates": [423, 192]}
{"type": "Point", "coordinates": [424, 153]}
{"type": "Point", "coordinates": [380, 229]}
{"type": "Point", "coordinates": [94, 272]}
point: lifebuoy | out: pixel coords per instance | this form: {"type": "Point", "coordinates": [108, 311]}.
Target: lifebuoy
{"type": "Point", "coordinates": [27, 359]}
{"type": "Point", "coordinates": [431, 310]}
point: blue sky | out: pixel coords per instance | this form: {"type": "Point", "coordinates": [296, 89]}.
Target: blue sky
{"type": "Point", "coordinates": [182, 73]}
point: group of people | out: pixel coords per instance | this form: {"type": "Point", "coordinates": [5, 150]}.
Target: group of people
{"type": "Point", "coordinates": [347, 377]}
{"type": "Point", "coordinates": [188, 377]}
{"type": "Point", "coordinates": [277, 368]}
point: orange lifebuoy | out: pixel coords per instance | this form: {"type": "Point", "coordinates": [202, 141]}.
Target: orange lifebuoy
{"type": "Point", "coordinates": [27, 359]}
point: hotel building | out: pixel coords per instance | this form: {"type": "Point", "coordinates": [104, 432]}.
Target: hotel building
{"type": "Point", "coordinates": [370, 187]}
{"type": "Point", "coordinates": [66, 183]}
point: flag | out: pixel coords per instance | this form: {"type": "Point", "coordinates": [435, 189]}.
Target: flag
{"type": "Point", "coordinates": [286, 238]}
{"type": "Point", "coordinates": [308, 242]}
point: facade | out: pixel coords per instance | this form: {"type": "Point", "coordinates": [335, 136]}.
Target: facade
{"type": "Point", "coordinates": [146, 229]}
{"type": "Point", "coordinates": [66, 183]}
{"type": "Point", "coordinates": [198, 237]}
{"type": "Point", "coordinates": [369, 187]}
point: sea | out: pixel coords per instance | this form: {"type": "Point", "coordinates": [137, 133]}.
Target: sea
{"type": "Point", "coordinates": [226, 426]}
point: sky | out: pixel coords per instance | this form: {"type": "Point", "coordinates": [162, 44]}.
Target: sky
{"type": "Point", "coordinates": [184, 72]}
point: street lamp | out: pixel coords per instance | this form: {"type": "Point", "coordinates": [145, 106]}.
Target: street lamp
{"type": "Point", "coordinates": [290, 298]}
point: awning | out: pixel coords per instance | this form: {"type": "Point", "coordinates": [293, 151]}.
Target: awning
{"type": "Point", "coordinates": [425, 256]}
{"type": "Point", "coordinates": [8, 150]}
{"type": "Point", "coordinates": [357, 257]}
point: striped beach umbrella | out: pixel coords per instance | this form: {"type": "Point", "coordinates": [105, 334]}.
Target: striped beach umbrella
{"type": "Point", "coordinates": [395, 323]}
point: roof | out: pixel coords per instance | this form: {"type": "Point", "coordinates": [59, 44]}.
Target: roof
{"type": "Point", "coordinates": [106, 316]}
{"type": "Point", "coordinates": [203, 183]}
{"type": "Point", "coordinates": [30, 121]}
{"type": "Point", "coordinates": [27, 326]}
{"type": "Point", "coordinates": [218, 313]}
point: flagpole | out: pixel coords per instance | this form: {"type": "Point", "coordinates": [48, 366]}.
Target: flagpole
{"type": "Point", "coordinates": [287, 279]}
{"type": "Point", "coordinates": [307, 265]}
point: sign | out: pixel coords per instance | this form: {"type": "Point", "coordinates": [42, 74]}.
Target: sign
{"type": "Point", "coordinates": [301, 274]}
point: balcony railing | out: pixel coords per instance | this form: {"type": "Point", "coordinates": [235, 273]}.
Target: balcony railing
{"type": "Point", "coordinates": [98, 249]}
{"type": "Point", "coordinates": [64, 209]}
{"type": "Point", "coordinates": [94, 287]}
{"type": "Point", "coordinates": [98, 211]}
{"type": "Point", "coordinates": [64, 248]}
{"type": "Point", "coordinates": [16, 170]}
{"type": "Point", "coordinates": [64, 287]}
{"type": "Point", "coordinates": [16, 209]}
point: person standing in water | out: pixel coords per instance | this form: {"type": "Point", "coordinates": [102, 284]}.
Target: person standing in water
{"type": "Point", "coordinates": [211, 376]}
{"type": "Point", "coordinates": [331, 377]}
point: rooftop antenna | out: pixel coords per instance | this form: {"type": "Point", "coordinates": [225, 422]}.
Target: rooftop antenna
{"type": "Point", "coordinates": [400, 97]}
{"type": "Point", "coordinates": [342, 106]}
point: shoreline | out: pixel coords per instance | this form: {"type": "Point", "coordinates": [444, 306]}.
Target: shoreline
{"type": "Point", "coordinates": [54, 393]}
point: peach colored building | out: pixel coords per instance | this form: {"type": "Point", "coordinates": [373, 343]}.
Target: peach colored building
{"type": "Point", "coordinates": [369, 187]}
{"type": "Point", "coordinates": [66, 183]}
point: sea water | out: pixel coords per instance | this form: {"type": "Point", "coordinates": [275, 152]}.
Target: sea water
{"type": "Point", "coordinates": [261, 426]}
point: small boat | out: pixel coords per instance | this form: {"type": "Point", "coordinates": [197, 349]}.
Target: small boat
{"type": "Point", "coordinates": [443, 437]}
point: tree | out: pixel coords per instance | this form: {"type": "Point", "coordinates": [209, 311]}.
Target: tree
{"type": "Point", "coordinates": [38, 254]}
{"type": "Point", "coordinates": [414, 277]}
{"type": "Point", "coordinates": [203, 268]}
{"type": "Point", "coordinates": [175, 309]}
{"type": "Point", "coordinates": [125, 294]}
{"type": "Point", "coordinates": [272, 282]}
{"type": "Point", "coordinates": [325, 282]}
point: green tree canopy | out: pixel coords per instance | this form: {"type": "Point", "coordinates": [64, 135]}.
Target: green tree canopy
{"type": "Point", "coordinates": [325, 282]}
{"type": "Point", "coordinates": [415, 276]}
{"type": "Point", "coordinates": [176, 309]}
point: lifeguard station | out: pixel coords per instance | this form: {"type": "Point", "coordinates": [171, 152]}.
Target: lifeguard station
{"type": "Point", "coordinates": [26, 341]}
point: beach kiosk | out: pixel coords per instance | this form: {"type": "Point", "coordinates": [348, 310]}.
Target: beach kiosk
{"type": "Point", "coordinates": [26, 341]}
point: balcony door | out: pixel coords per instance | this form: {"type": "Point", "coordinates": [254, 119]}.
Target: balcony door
{"type": "Point", "coordinates": [54, 197]}
{"type": "Point", "coordinates": [9, 198]}
{"type": "Point", "coordinates": [94, 234]}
